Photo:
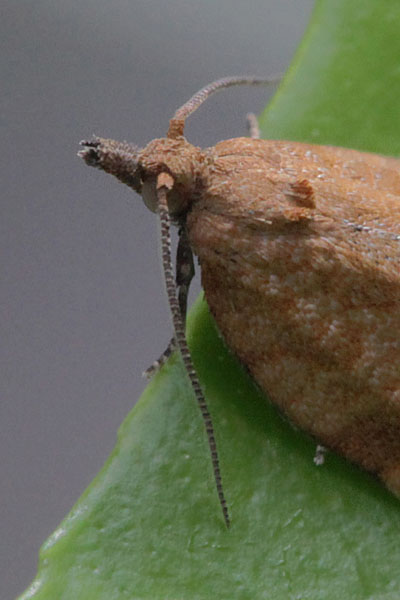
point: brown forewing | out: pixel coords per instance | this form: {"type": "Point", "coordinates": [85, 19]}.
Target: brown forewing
{"type": "Point", "coordinates": [299, 252]}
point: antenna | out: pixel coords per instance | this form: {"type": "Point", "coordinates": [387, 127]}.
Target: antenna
{"type": "Point", "coordinates": [177, 123]}
{"type": "Point", "coordinates": [164, 184]}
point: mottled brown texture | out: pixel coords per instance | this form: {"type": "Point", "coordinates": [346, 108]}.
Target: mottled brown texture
{"type": "Point", "coordinates": [299, 250]}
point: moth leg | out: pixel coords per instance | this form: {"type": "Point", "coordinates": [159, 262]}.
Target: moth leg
{"type": "Point", "coordinates": [161, 360]}
{"type": "Point", "coordinates": [183, 278]}
{"type": "Point", "coordinates": [184, 270]}
{"type": "Point", "coordinates": [319, 456]}
{"type": "Point", "coordinates": [252, 126]}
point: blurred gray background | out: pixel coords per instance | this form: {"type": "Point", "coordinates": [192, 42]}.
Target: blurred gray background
{"type": "Point", "coordinates": [83, 311]}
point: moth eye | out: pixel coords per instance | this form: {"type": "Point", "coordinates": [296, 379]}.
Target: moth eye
{"type": "Point", "coordinates": [149, 194]}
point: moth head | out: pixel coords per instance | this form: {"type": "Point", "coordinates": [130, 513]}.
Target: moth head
{"type": "Point", "coordinates": [140, 169]}
{"type": "Point", "coordinates": [173, 157]}
{"type": "Point", "coordinates": [181, 164]}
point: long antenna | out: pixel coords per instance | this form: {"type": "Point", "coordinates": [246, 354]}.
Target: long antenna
{"type": "Point", "coordinates": [177, 123]}
{"type": "Point", "coordinates": [164, 183]}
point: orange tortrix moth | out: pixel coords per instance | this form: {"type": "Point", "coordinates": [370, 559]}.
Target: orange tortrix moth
{"type": "Point", "coordinates": [299, 251]}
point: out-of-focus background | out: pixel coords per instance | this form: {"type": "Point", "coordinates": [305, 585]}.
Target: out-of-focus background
{"type": "Point", "coordinates": [83, 311]}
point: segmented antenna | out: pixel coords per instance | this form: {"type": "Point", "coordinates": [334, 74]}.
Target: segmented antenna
{"type": "Point", "coordinates": [177, 123]}
{"type": "Point", "coordinates": [180, 337]}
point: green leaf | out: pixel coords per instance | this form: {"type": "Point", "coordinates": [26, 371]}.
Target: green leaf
{"type": "Point", "coordinates": [150, 526]}
{"type": "Point", "coordinates": [343, 85]}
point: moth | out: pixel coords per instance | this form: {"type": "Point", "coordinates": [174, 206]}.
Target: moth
{"type": "Point", "coordinates": [299, 250]}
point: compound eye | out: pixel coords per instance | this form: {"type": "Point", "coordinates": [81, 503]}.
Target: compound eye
{"type": "Point", "coordinates": [149, 194]}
